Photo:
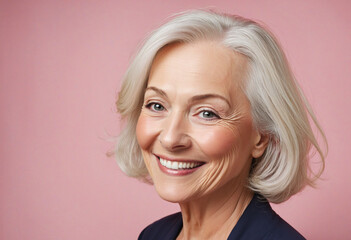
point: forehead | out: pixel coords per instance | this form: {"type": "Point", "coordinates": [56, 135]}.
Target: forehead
{"type": "Point", "coordinates": [204, 65]}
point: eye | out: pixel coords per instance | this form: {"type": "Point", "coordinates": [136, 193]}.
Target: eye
{"type": "Point", "coordinates": [157, 107]}
{"type": "Point", "coordinates": [207, 114]}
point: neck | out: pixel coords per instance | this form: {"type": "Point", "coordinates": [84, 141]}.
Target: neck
{"type": "Point", "coordinates": [214, 216]}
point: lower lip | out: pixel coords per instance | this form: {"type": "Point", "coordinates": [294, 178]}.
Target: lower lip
{"type": "Point", "coordinates": [179, 172]}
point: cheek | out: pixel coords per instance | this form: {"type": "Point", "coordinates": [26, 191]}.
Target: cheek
{"type": "Point", "coordinates": [217, 142]}
{"type": "Point", "coordinates": [226, 138]}
{"type": "Point", "coordinates": [145, 132]}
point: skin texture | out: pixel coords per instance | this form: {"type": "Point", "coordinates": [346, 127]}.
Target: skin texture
{"type": "Point", "coordinates": [194, 110]}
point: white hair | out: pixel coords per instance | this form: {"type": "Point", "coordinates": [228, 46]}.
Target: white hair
{"type": "Point", "coordinates": [279, 108]}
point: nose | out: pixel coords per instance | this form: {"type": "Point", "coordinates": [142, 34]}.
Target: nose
{"type": "Point", "coordinates": [174, 135]}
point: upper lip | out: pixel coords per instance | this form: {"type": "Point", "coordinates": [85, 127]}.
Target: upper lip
{"type": "Point", "coordinates": [177, 159]}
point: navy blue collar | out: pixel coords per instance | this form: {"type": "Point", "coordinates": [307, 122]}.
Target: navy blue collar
{"type": "Point", "coordinates": [257, 222]}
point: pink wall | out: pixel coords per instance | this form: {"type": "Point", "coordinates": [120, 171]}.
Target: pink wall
{"type": "Point", "coordinates": [60, 66]}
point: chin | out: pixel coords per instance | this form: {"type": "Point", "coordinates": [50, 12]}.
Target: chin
{"type": "Point", "coordinates": [172, 193]}
{"type": "Point", "coordinates": [170, 196]}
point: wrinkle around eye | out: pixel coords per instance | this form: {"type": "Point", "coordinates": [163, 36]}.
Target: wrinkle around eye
{"type": "Point", "coordinates": [232, 121]}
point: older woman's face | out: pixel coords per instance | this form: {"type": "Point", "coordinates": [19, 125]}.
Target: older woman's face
{"type": "Point", "coordinates": [195, 129]}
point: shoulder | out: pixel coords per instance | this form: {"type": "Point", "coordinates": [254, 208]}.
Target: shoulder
{"type": "Point", "coordinates": [165, 228]}
{"type": "Point", "coordinates": [282, 230]}
{"type": "Point", "coordinates": [259, 221]}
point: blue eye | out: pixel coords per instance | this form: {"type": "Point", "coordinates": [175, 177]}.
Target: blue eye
{"type": "Point", "coordinates": [208, 114]}
{"type": "Point", "coordinates": [155, 107]}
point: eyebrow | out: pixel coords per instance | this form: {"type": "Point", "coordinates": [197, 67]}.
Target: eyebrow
{"type": "Point", "coordinates": [159, 91]}
{"type": "Point", "coordinates": [194, 98]}
{"type": "Point", "coordinates": [209, 95]}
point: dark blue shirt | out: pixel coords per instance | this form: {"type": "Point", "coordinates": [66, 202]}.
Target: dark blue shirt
{"type": "Point", "coordinates": [258, 222]}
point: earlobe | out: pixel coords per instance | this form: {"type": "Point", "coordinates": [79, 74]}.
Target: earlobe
{"type": "Point", "coordinates": [260, 146]}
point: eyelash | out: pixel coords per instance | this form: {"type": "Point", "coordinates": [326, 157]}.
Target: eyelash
{"type": "Point", "coordinates": [151, 106]}
{"type": "Point", "coordinates": [215, 116]}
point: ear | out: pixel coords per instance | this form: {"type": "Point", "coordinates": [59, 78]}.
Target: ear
{"type": "Point", "coordinates": [261, 142]}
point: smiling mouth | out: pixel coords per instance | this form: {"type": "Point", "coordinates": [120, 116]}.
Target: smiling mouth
{"type": "Point", "coordinates": [179, 165]}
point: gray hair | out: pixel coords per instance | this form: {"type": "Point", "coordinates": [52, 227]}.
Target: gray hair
{"type": "Point", "coordinates": [279, 108]}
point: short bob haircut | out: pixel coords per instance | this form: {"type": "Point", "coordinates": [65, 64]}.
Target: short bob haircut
{"type": "Point", "coordinates": [279, 108]}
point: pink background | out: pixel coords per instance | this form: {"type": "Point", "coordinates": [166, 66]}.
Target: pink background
{"type": "Point", "coordinates": [60, 68]}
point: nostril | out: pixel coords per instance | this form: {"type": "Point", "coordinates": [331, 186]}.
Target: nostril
{"type": "Point", "coordinates": [181, 142]}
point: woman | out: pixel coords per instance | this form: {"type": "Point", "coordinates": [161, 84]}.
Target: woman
{"type": "Point", "coordinates": [216, 122]}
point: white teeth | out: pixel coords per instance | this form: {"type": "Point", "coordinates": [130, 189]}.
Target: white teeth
{"type": "Point", "coordinates": [175, 165]}
{"type": "Point", "coordinates": [178, 165]}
